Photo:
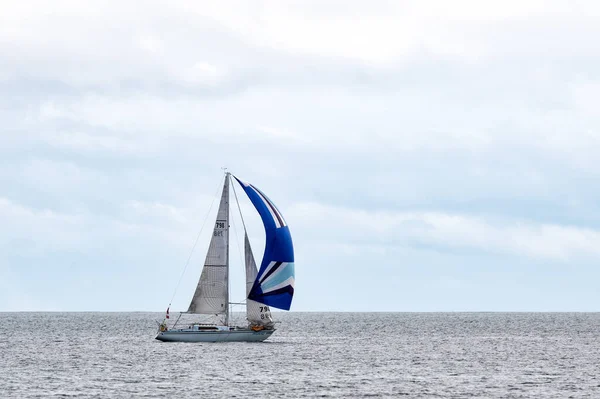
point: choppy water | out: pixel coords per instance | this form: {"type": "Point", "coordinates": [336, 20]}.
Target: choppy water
{"type": "Point", "coordinates": [420, 355]}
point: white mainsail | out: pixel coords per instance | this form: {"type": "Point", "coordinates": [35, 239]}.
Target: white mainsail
{"type": "Point", "coordinates": [212, 292]}
{"type": "Point", "coordinates": [256, 313]}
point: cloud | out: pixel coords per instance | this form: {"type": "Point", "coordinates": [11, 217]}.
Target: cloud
{"type": "Point", "coordinates": [379, 229]}
{"type": "Point", "coordinates": [206, 46]}
{"type": "Point", "coordinates": [432, 131]}
{"type": "Point", "coordinates": [42, 230]}
{"type": "Point", "coordinates": [380, 32]}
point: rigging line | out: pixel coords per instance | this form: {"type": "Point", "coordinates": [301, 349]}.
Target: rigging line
{"type": "Point", "coordinates": [195, 242]}
{"type": "Point", "coordinates": [177, 321]}
{"type": "Point", "coordinates": [238, 205]}
{"type": "Point", "coordinates": [237, 241]}
{"type": "Point", "coordinates": [243, 223]}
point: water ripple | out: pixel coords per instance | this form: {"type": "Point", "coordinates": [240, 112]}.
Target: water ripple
{"type": "Point", "coordinates": [337, 355]}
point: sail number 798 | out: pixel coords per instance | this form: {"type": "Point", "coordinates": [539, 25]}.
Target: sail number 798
{"type": "Point", "coordinates": [264, 312]}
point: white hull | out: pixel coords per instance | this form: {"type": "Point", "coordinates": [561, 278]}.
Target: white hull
{"type": "Point", "coordinates": [187, 335]}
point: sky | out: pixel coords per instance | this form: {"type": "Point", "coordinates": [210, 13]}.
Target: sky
{"type": "Point", "coordinates": [427, 156]}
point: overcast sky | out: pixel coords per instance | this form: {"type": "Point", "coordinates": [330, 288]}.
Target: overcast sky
{"type": "Point", "coordinates": [427, 155]}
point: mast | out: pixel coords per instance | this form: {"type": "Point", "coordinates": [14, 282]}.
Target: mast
{"type": "Point", "coordinates": [227, 243]}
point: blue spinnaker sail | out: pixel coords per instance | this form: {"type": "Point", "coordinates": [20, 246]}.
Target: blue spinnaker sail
{"type": "Point", "coordinates": [274, 284]}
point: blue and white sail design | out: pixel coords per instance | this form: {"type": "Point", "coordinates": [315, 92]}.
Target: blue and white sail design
{"type": "Point", "coordinates": [274, 284]}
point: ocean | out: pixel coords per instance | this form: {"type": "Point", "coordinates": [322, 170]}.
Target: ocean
{"type": "Point", "coordinates": [413, 355]}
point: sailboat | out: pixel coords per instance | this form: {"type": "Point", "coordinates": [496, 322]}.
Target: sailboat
{"type": "Point", "coordinates": [272, 285]}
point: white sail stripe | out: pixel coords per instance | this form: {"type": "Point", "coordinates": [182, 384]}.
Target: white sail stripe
{"type": "Point", "coordinates": [268, 205]}
{"type": "Point", "coordinates": [267, 269]}
{"type": "Point", "coordinates": [275, 273]}
{"type": "Point", "coordinates": [289, 281]}
{"type": "Point", "coordinates": [275, 209]}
